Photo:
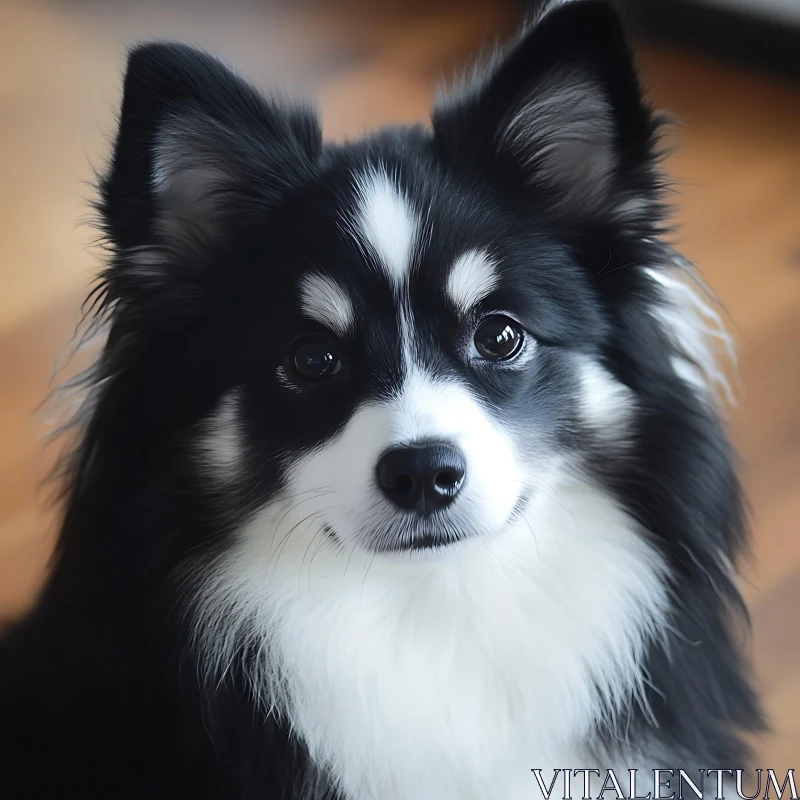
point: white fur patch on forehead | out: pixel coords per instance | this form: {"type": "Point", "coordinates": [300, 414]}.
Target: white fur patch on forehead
{"type": "Point", "coordinates": [387, 222]}
{"type": "Point", "coordinates": [472, 278]}
{"type": "Point", "coordinates": [323, 300]}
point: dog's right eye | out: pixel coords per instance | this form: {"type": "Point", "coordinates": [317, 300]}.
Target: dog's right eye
{"type": "Point", "coordinates": [314, 360]}
{"type": "Point", "coordinates": [498, 338]}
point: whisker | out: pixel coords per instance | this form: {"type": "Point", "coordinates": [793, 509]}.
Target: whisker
{"type": "Point", "coordinates": [366, 572]}
{"type": "Point", "coordinates": [291, 530]}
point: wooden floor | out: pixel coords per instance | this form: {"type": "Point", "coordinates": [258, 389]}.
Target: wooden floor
{"type": "Point", "coordinates": [738, 162]}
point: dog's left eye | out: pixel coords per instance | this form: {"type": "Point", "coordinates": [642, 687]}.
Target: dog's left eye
{"type": "Point", "coordinates": [498, 338]}
{"type": "Point", "coordinates": [314, 360]}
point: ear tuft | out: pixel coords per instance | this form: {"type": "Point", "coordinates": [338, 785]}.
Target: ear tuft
{"type": "Point", "coordinates": [561, 106]}
{"type": "Point", "coordinates": [563, 137]}
{"type": "Point", "coordinates": [198, 148]}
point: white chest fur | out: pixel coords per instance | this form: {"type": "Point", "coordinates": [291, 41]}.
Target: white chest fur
{"type": "Point", "coordinates": [446, 677]}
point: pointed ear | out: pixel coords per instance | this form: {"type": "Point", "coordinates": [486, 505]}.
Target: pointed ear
{"type": "Point", "coordinates": [197, 148]}
{"type": "Point", "coordinates": [562, 109]}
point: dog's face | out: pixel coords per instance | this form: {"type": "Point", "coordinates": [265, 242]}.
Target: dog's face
{"type": "Point", "coordinates": [415, 332]}
{"type": "Point", "coordinates": [425, 357]}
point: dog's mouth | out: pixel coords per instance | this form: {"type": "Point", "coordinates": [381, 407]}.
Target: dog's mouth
{"type": "Point", "coordinates": [425, 541]}
{"type": "Point", "coordinates": [433, 534]}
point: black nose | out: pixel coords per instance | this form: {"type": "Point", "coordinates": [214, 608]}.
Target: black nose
{"type": "Point", "coordinates": [421, 477]}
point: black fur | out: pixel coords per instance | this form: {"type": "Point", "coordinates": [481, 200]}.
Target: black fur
{"type": "Point", "coordinates": [99, 692]}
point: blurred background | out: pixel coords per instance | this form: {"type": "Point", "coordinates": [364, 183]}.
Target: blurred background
{"type": "Point", "coordinates": [728, 69]}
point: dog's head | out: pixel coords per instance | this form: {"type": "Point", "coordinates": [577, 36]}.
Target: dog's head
{"type": "Point", "coordinates": [408, 335]}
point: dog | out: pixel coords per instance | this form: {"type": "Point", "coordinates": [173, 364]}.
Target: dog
{"type": "Point", "coordinates": [401, 473]}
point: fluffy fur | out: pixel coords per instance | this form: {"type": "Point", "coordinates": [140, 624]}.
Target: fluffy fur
{"type": "Point", "coordinates": [236, 608]}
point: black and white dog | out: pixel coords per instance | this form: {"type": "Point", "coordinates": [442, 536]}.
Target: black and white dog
{"type": "Point", "coordinates": [399, 474]}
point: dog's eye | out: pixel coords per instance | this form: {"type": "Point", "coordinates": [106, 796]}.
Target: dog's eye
{"type": "Point", "coordinates": [314, 360]}
{"type": "Point", "coordinates": [498, 338]}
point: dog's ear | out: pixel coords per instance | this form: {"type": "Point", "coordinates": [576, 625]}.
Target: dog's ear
{"type": "Point", "coordinates": [197, 148]}
{"type": "Point", "coordinates": [561, 109]}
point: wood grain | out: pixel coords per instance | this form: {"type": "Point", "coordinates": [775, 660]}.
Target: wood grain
{"type": "Point", "coordinates": [737, 166]}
